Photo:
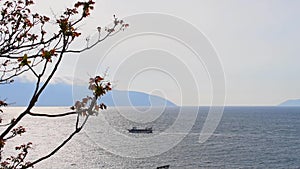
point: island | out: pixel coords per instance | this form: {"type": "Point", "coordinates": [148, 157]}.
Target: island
{"type": "Point", "coordinates": [291, 102]}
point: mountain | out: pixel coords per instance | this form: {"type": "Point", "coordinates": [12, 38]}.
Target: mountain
{"type": "Point", "coordinates": [18, 94]}
{"type": "Point", "coordinates": [133, 98]}
{"type": "Point", "coordinates": [291, 102]}
{"type": "Point", "coordinates": [62, 95]}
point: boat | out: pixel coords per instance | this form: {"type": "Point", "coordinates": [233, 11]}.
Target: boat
{"type": "Point", "coordinates": [141, 130]}
{"type": "Point", "coordinates": [163, 167]}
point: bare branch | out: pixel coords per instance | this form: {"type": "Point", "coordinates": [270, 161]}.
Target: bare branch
{"type": "Point", "coordinates": [3, 125]}
{"type": "Point", "coordinates": [57, 115]}
{"type": "Point", "coordinates": [77, 130]}
{"type": "Point", "coordinates": [52, 115]}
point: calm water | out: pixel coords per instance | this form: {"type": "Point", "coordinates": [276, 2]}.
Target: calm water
{"type": "Point", "coordinates": [246, 137]}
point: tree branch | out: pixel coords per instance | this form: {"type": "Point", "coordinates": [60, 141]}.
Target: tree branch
{"type": "Point", "coordinates": [77, 130]}
{"type": "Point", "coordinates": [89, 47]}
{"type": "Point", "coordinates": [3, 125]}
{"type": "Point", "coordinates": [36, 95]}
{"type": "Point", "coordinates": [51, 115]}
{"type": "Point", "coordinates": [57, 115]}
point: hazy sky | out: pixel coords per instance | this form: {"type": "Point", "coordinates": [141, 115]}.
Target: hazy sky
{"type": "Point", "coordinates": [257, 43]}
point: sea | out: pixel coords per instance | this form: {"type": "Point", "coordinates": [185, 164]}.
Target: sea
{"type": "Point", "coordinates": [239, 137]}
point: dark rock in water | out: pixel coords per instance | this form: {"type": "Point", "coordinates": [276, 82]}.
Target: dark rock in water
{"type": "Point", "coordinates": [163, 167]}
{"type": "Point", "coordinates": [143, 130]}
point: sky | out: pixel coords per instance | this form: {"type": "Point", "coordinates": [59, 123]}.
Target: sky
{"type": "Point", "coordinates": [256, 43]}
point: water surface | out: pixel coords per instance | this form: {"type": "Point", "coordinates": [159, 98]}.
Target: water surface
{"type": "Point", "coordinates": [247, 137]}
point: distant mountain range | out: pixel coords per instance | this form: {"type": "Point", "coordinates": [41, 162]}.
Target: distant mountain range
{"type": "Point", "coordinates": [292, 102]}
{"type": "Point", "coordinates": [133, 98]}
{"type": "Point", "coordinates": [62, 95]}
